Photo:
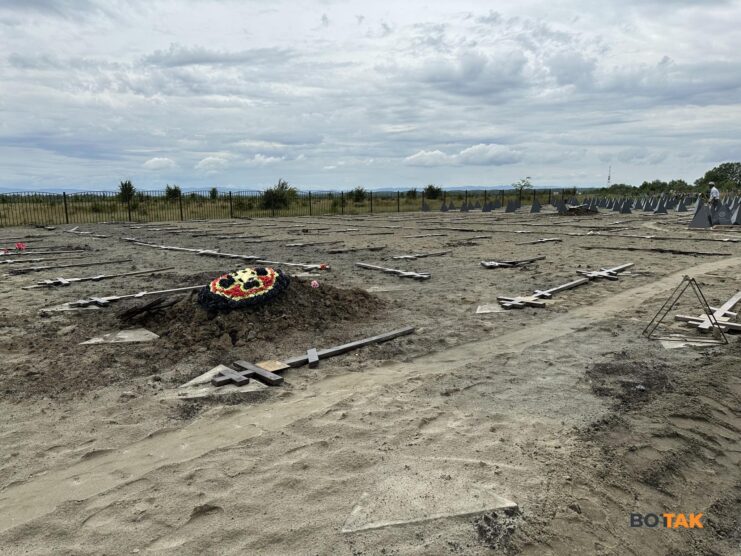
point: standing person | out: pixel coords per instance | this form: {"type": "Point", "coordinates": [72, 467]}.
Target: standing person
{"type": "Point", "coordinates": [714, 195]}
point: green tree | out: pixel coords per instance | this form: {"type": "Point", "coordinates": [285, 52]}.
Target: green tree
{"type": "Point", "coordinates": [280, 196]}
{"type": "Point", "coordinates": [126, 191]}
{"type": "Point", "coordinates": [358, 195]}
{"type": "Point", "coordinates": [433, 192]}
{"type": "Point", "coordinates": [725, 176]}
{"type": "Point", "coordinates": [412, 193]}
{"type": "Point", "coordinates": [522, 185]}
{"type": "Point", "coordinates": [213, 194]}
{"type": "Point", "coordinates": [172, 192]}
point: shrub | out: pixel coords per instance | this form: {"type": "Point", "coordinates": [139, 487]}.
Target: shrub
{"type": "Point", "coordinates": [412, 193]}
{"type": "Point", "coordinates": [213, 194]}
{"type": "Point", "coordinates": [280, 196]}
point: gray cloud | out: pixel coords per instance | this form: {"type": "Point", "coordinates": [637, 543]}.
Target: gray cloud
{"type": "Point", "coordinates": [223, 93]}
{"type": "Point", "coordinates": [179, 56]}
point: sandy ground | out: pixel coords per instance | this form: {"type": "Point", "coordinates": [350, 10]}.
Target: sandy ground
{"type": "Point", "coordinates": [566, 411]}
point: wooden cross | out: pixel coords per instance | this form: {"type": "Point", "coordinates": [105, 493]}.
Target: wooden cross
{"type": "Point", "coordinates": [420, 255]}
{"type": "Point", "coordinates": [542, 240]}
{"type": "Point", "coordinates": [67, 281]}
{"type": "Point", "coordinates": [50, 267]}
{"type": "Point", "coordinates": [105, 301]}
{"type": "Point", "coordinates": [243, 376]}
{"type": "Point", "coordinates": [722, 316]}
{"type": "Point", "coordinates": [399, 273]}
{"type": "Point", "coordinates": [535, 300]}
{"type": "Point", "coordinates": [608, 273]}
{"type": "Point", "coordinates": [509, 264]}
{"type": "Point", "coordinates": [569, 285]}
{"type": "Point", "coordinates": [302, 266]}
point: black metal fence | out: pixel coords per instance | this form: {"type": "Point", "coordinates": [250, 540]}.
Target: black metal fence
{"type": "Point", "coordinates": [19, 209]}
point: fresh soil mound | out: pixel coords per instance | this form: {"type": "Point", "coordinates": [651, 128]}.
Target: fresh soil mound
{"type": "Point", "coordinates": [299, 307]}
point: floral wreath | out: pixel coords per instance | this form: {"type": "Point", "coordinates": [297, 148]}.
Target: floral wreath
{"type": "Point", "coordinates": [248, 287]}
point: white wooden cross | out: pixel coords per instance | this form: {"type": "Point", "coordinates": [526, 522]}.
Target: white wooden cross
{"type": "Point", "coordinates": [722, 316]}
{"type": "Point", "coordinates": [609, 273]}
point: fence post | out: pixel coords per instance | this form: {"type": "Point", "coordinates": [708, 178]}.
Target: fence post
{"type": "Point", "coordinates": [398, 201]}
{"type": "Point", "coordinates": [66, 212]}
{"type": "Point", "coordinates": [180, 203]}
{"type": "Point", "coordinates": [423, 200]}
{"type": "Point", "coordinates": [549, 196]}
{"type": "Point", "coordinates": [342, 202]}
{"type": "Point", "coordinates": [231, 210]}
{"type": "Point", "coordinates": [371, 201]}
{"type": "Point", "coordinates": [501, 195]}
{"type": "Point", "coordinates": [465, 196]}
{"type": "Point", "coordinates": [310, 213]}
{"type": "Point", "coordinates": [484, 196]}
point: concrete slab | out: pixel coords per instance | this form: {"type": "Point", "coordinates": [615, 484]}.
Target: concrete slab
{"type": "Point", "coordinates": [668, 344]}
{"type": "Point", "coordinates": [200, 387]}
{"type": "Point", "coordinates": [425, 490]}
{"type": "Point", "coordinates": [496, 308]}
{"type": "Point", "coordinates": [123, 337]}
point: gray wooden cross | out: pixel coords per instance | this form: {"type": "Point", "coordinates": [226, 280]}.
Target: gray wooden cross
{"type": "Point", "coordinates": [243, 376]}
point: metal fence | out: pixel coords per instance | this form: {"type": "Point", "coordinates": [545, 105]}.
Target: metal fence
{"type": "Point", "coordinates": [19, 209]}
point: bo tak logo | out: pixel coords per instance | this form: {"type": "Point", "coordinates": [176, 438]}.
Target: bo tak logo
{"type": "Point", "coordinates": [667, 520]}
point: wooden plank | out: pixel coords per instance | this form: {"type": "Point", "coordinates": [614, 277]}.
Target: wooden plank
{"type": "Point", "coordinates": [272, 365]}
{"type": "Point", "coordinates": [313, 357]}
{"type": "Point", "coordinates": [660, 250]}
{"type": "Point", "coordinates": [301, 360]}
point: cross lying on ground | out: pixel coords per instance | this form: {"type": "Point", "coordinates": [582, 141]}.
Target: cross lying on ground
{"type": "Point", "coordinates": [242, 377]}
{"type": "Point", "coordinates": [399, 273]}
{"type": "Point", "coordinates": [227, 375]}
{"type": "Point", "coordinates": [510, 264]}
{"type": "Point", "coordinates": [722, 316]}
{"type": "Point", "coordinates": [608, 273]}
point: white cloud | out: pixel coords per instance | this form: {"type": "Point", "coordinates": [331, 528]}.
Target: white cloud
{"type": "Point", "coordinates": [212, 164]}
{"type": "Point", "coordinates": [158, 163]}
{"type": "Point", "coordinates": [477, 155]}
{"type": "Point", "coordinates": [429, 158]}
{"type": "Point", "coordinates": [262, 160]}
{"type": "Point", "coordinates": [489, 155]}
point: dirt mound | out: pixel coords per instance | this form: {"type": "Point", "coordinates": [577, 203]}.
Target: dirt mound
{"type": "Point", "coordinates": [299, 308]}
{"type": "Point", "coordinates": [191, 340]}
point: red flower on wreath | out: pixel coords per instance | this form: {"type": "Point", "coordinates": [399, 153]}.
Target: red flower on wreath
{"type": "Point", "coordinates": [20, 246]}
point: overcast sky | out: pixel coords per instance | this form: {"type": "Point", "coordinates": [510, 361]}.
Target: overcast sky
{"type": "Point", "coordinates": [330, 94]}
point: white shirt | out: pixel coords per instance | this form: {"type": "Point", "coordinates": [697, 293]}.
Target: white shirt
{"type": "Point", "coordinates": [714, 193]}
